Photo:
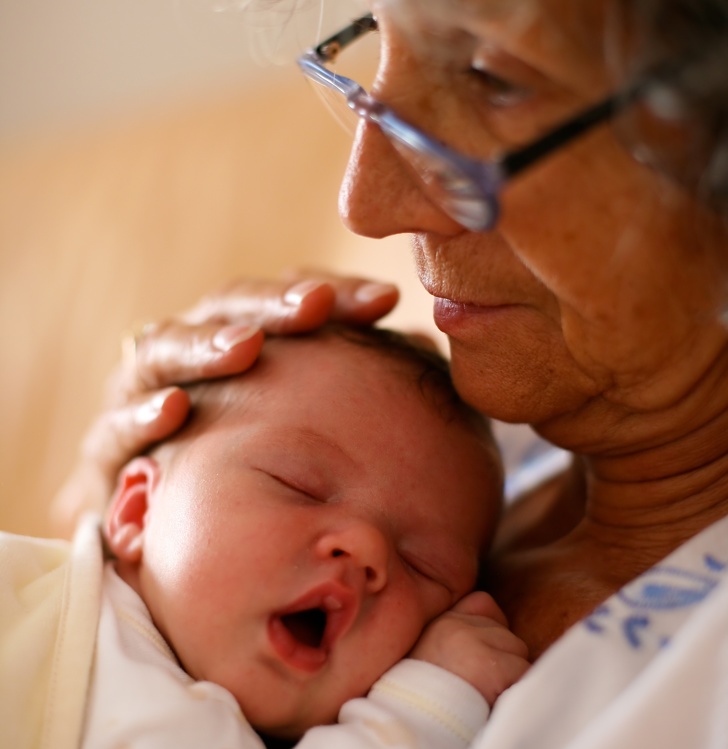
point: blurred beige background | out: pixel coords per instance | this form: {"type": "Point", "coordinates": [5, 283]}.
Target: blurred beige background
{"type": "Point", "coordinates": [146, 156]}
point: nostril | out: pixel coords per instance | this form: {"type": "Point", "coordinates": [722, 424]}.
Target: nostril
{"type": "Point", "coordinates": [337, 553]}
{"type": "Point", "coordinates": [371, 574]}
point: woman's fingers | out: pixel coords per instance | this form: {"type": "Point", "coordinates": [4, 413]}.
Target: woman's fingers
{"type": "Point", "coordinates": [357, 300]}
{"type": "Point", "coordinates": [176, 352]}
{"type": "Point", "coordinates": [277, 307]}
{"type": "Point", "coordinates": [123, 432]}
{"type": "Point", "coordinates": [221, 335]}
{"type": "Point", "coordinates": [303, 300]}
{"type": "Point", "coordinates": [115, 438]}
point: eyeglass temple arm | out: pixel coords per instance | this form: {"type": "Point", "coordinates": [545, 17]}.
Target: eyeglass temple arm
{"type": "Point", "coordinates": [517, 161]}
{"type": "Point", "coordinates": [329, 48]}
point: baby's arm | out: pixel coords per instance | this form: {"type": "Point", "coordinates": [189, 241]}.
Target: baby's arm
{"type": "Point", "coordinates": [439, 697]}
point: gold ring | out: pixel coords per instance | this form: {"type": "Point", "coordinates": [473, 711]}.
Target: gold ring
{"type": "Point", "coordinates": [130, 344]}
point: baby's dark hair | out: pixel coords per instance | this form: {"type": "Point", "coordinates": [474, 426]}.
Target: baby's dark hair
{"type": "Point", "coordinates": [430, 371]}
{"type": "Point", "coordinates": [431, 368]}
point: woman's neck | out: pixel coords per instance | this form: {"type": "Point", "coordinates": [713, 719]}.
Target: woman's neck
{"type": "Point", "coordinates": [620, 510]}
{"type": "Point", "coordinates": [660, 475]}
{"type": "Point", "coordinates": [660, 494]}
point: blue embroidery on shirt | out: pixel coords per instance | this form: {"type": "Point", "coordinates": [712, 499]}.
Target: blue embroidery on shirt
{"type": "Point", "coordinates": [666, 588]}
{"type": "Point", "coordinates": [645, 614]}
{"type": "Point", "coordinates": [632, 626]}
{"type": "Point", "coordinates": [713, 564]}
{"type": "Point", "coordinates": [592, 623]}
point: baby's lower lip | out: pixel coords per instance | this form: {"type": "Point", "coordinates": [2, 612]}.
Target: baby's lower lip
{"type": "Point", "coordinates": [292, 652]}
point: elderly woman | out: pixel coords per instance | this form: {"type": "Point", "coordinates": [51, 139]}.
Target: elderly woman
{"type": "Point", "coordinates": [573, 235]}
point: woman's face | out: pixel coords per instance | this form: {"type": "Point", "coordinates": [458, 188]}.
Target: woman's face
{"type": "Point", "coordinates": [600, 289]}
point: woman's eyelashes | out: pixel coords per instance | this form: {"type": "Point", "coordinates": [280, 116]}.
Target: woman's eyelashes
{"type": "Point", "coordinates": [499, 92]}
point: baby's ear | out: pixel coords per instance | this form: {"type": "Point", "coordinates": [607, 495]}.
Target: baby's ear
{"type": "Point", "coordinates": [127, 512]}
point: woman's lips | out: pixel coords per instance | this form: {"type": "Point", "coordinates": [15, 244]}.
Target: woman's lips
{"type": "Point", "coordinates": [338, 604]}
{"type": "Point", "coordinates": [450, 315]}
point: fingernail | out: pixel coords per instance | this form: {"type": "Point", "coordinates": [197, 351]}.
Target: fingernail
{"type": "Point", "coordinates": [368, 292]}
{"type": "Point", "coordinates": [296, 294]}
{"type": "Point", "coordinates": [230, 336]}
{"type": "Point", "coordinates": [150, 411]}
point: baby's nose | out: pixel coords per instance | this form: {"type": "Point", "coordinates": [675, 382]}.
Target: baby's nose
{"type": "Point", "coordinates": [362, 546]}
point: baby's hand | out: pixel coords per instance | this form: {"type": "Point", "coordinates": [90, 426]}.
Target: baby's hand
{"type": "Point", "coordinates": [472, 641]}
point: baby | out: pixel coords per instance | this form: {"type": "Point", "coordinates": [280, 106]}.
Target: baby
{"type": "Point", "coordinates": [302, 554]}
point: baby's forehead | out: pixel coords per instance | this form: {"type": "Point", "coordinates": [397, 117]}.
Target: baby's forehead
{"type": "Point", "coordinates": [384, 357]}
{"type": "Point", "coordinates": [346, 354]}
{"type": "Point", "coordinates": [358, 361]}
{"type": "Point", "coordinates": [351, 365]}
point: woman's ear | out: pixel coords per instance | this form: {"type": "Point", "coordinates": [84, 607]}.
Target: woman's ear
{"type": "Point", "coordinates": [127, 513]}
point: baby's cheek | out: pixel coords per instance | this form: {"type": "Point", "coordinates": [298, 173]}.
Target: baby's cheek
{"type": "Point", "coordinates": [411, 609]}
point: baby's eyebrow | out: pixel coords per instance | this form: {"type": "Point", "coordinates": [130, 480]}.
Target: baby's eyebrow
{"type": "Point", "coordinates": [315, 440]}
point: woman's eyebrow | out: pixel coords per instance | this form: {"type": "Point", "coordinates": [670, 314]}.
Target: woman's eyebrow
{"type": "Point", "coordinates": [530, 33]}
{"type": "Point", "coordinates": [549, 50]}
{"type": "Point", "coordinates": [444, 9]}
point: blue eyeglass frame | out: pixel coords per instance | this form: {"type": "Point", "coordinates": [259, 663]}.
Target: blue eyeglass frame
{"type": "Point", "coordinates": [467, 189]}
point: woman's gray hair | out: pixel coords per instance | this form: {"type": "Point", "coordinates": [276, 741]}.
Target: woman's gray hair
{"type": "Point", "coordinates": [682, 125]}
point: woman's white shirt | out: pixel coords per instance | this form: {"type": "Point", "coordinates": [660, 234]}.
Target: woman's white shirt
{"type": "Point", "coordinates": [649, 668]}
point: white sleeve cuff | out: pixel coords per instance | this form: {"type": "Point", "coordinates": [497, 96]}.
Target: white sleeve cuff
{"type": "Point", "coordinates": [438, 699]}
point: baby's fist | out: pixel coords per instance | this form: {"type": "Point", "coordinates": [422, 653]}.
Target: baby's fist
{"type": "Point", "coordinates": [472, 641]}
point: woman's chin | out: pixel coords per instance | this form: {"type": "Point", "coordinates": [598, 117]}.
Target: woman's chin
{"type": "Point", "coordinates": [513, 383]}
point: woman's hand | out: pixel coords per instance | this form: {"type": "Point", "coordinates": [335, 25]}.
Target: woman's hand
{"type": "Point", "coordinates": [215, 337]}
{"type": "Point", "coordinates": [220, 336]}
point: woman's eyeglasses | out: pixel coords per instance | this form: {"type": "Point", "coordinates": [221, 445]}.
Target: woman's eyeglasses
{"type": "Point", "coordinates": [466, 189]}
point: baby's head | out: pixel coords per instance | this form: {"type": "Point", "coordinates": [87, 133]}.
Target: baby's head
{"type": "Point", "coordinates": [315, 514]}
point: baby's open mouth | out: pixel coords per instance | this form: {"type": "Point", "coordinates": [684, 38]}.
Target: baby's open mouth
{"type": "Point", "coordinates": [305, 633]}
{"type": "Point", "coordinates": [307, 627]}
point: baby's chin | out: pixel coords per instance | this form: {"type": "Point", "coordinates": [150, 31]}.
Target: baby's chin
{"type": "Point", "coordinates": [283, 708]}
{"type": "Point", "coordinates": [277, 736]}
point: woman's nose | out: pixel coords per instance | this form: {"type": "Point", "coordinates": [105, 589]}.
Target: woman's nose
{"type": "Point", "coordinates": [362, 548]}
{"type": "Point", "coordinates": [381, 196]}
